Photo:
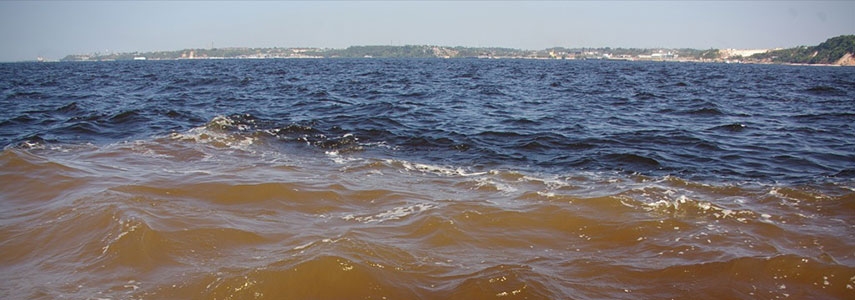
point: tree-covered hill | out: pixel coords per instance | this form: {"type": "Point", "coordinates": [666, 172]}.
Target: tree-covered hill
{"type": "Point", "coordinates": [829, 52]}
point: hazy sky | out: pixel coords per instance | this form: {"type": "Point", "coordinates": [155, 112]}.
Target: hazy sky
{"type": "Point", "coordinates": [55, 29]}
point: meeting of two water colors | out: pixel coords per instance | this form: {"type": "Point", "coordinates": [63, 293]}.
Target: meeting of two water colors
{"type": "Point", "coordinates": [426, 179]}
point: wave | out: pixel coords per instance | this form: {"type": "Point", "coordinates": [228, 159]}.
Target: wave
{"type": "Point", "coordinates": [822, 90]}
{"type": "Point", "coordinates": [27, 95]}
{"type": "Point", "coordinates": [178, 218]}
{"type": "Point", "coordinates": [706, 111]}
{"type": "Point", "coordinates": [632, 160]}
{"type": "Point", "coordinates": [734, 127]}
{"type": "Point", "coordinates": [637, 151]}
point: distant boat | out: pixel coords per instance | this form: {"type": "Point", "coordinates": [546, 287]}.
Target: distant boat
{"type": "Point", "coordinates": [139, 57]}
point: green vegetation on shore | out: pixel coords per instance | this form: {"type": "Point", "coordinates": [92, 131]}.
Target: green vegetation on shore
{"type": "Point", "coordinates": [837, 50]}
{"type": "Point", "coordinates": [829, 52]}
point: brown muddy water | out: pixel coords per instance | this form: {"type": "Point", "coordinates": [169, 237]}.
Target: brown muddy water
{"type": "Point", "coordinates": [207, 215]}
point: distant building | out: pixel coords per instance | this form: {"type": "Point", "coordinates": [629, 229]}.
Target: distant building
{"type": "Point", "coordinates": [726, 53]}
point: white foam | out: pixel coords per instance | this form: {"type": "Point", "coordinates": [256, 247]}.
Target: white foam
{"type": "Point", "coordinates": [551, 184]}
{"type": "Point", "coordinates": [502, 187]}
{"type": "Point", "coordinates": [705, 207]}
{"type": "Point", "coordinates": [675, 204]}
{"type": "Point", "coordinates": [33, 145]}
{"type": "Point", "coordinates": [392, 214]}
{"type": "Point", "coordinates": [336, 157]}
{"type": "Point", "coordinates": [847, 187]}
{"type": "Point", "coordinates": [304, 246]}
{"type": "Point", "coordinates": [130, 228]}
{"type": "Point", "coordinates": [222, 121]}
{"type": "Point", "coordinates": [546, 194]}
{"type": "Point", "coordinates": [132, 284]}
{"type": "Point", "coordinates": [203, 135]}
{"type": "Point", "coordinates": [439, 170]}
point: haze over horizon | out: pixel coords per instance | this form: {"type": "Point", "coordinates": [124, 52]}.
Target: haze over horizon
{"type": "Point", "coordinates": [55, 29]}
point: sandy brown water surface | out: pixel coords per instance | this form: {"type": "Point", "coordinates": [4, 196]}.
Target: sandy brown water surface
{"type": "Point", "coordinates": [210, 215]}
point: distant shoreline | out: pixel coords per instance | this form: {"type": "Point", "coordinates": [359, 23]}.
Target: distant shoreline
{"type": "Point", "coordinates": [834, 51]}
{"type": "Point", "coordinates": [438, 58]}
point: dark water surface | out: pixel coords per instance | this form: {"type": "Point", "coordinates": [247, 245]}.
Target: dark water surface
{"type": "Point", "coordinates": [426, 179]}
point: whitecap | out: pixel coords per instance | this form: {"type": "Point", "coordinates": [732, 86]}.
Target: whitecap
{"type": "Point", "coordinates": [391, 214]}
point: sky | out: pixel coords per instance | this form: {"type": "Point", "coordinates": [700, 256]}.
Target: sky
{"type": "Point", "coordinates": [55, 29]}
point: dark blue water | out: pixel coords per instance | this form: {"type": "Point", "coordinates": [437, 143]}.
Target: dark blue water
{"type": "Point", "coordinates": [716, 122]}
